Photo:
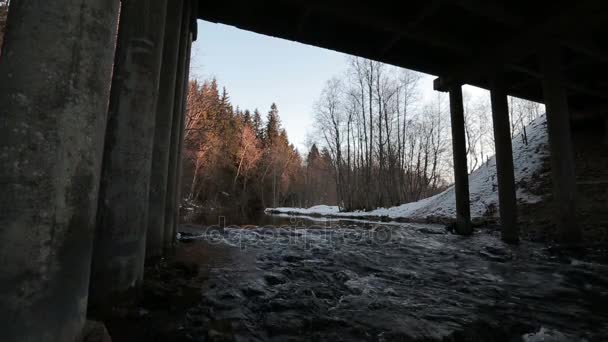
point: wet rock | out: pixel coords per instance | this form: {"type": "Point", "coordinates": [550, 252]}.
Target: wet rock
{"type": "Point", "coordinates": [545, 334]}
{"type": "Point", "coordinates": [279, 304]}
{"type": "Point", "coordinates": [223, 300]}
{"type": "Point", "coordinates": [218, 336]}
{"type": "Point", "coordinates": [344, 276]}
{"type": "Point", "coordinates": [438, 231]}
{"type": "Point", "coordinates": [390, 292]}
{"type": "Point", "coordinates": [284, 322]}
{"type": "Point", "coordinates": [496, 254]}
{"type": "Point", "coordinates": [95, 331]}
{"type": "Point", "coordinates": [189, 270]}
{"type": "Point", "coordinates": [274, 279]}
{"type": "Point", "coordinates": [254, 288]}
{"type": "Point", "coordinates": [482, 331]}
{"type": "Point", "coordinates": [292, 258]}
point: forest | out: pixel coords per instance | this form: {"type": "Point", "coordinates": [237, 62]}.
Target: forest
{"type": "Point", "coordinates": [376, 143]}
{"type": "Point", "coordinates": [241, 159]}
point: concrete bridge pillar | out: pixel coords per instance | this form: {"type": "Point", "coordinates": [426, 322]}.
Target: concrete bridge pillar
{"type": "Point", "coordinates": [504, 161]}
{"type": "Point", "coordinates": [55, 72]}
{"type": "Point", "coordinates": [122, 218]}
{"type": "Point", "coordinates": [172, 202]}
{"type": "Point", "coordinates": [461, 174]}
{"type": "Point", "coordinates": [560, 143]}
{"type": "Point", "coordinates": [162, 133]}
{"type": "Point", "coordinates": [180, 147]}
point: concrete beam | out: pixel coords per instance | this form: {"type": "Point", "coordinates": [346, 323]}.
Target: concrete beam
{"type": "Point", "coordinates": [560, 143]}
{"type": "Point", "coordinates": [55, 73]}
{"type": "Point", "coordinates": [162, 132]}
{"type": "Point", "coordinates": [122, 218]}
{"type": "Point", "coordinates": [520, 46]}
{"type": "Point", "coordinates": [572, 86]}
{"type": "Point", "coordinates": [171, 203]}
{"type": "Point", "coordinates": [375, 16]}
{"type": "Point", "coordinates": [461, 174]}
{"type": "Point", "coordinates": [504, 161]}
{"type": "Point", "coordinates": [427, 11]}
{"type": "Point", "coordinates": [302, 21]}
{"type": "Point", "coordinates": [495, 12]}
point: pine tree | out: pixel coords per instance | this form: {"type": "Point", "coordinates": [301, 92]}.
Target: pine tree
{"type": "Point", "coordinates": [273, 126]}
{"type": "Point", "coordinates": [247, 117]}
{"type": "Point", "coordinates": [313, 156]}
{"type": "Point", "coordinates": [257, 125]}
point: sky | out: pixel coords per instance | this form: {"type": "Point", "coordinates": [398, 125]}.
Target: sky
{"type": "Point", "coordinates": [258, 70]}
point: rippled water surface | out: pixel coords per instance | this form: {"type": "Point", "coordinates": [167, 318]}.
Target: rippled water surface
{"type": "Point", "coordinates": [358, 282]}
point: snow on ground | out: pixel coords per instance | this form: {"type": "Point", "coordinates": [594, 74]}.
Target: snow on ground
{"type": "Point", "coordinates": [528, 160]}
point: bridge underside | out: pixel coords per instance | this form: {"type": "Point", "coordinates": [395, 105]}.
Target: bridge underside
{"type": "Point", "coordinates": [467, 40]}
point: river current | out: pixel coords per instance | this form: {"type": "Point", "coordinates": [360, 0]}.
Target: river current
{"type": "Point", "coordinates": [302, 280]}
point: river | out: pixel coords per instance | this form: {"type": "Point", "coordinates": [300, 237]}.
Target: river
{"type": "Point", "coordinates": [297, 279]}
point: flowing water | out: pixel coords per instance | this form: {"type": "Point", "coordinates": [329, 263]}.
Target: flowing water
{"type": "Point", "coordinates": [302, 280]}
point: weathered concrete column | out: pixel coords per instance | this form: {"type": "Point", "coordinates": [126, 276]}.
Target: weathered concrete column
{"type": "Point", "coordinates": [504, 162]}
{"type": "Point", "coordinates": [122, 218]}
{"type": "Point", "coordinates": [560, 142]}
{"type": "Point", "coordinates": [461, 174]}
{"type": "Point", "coordinates": [171, 204]}
{"type": "Point", "coordinates": [179, 170]}
{"type": "Point", "coordinates": [55, 74]}
{"type": "Point", "coordinates": [179, 166]}
{"type": "Point", "coordinates": [162, 132]}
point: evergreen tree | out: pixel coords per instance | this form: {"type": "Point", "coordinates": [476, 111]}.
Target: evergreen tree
{"type": "Point", "coordinates": [313, 156]}
{"type": "Point", "coordinates": [273, 125]}
{"type": "Point", "coordinates": [247, 117]}
{"type": "Point", "coordinates": [257, 124]}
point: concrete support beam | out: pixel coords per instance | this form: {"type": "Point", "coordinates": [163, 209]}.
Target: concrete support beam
{"type": "Point", "coordinates": [555, 23]}
{"type": "Point", "coordinates": [461, 174]}
{"type": "Point", "coordinates": [162, 133]}
{"type": "Point", "coordinates": [55, 74]}
{"type": "Point", "coordinates": [504, 162]}
{"type": "Point", "coordinates": [560, 142]}
{"type": "Point", "coordinates": [122, 217]}
{"type": "Point", "coordinates": [172, 203]}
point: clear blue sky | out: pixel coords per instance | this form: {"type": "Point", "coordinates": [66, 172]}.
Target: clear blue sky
{"type": "Point", "coordinates": [258, 70]}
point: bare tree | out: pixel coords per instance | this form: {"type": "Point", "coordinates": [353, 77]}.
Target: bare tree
{"type": "Point", "coordinates": [385, 151]}
{"type": "Point", "coordinates": [330, 122]}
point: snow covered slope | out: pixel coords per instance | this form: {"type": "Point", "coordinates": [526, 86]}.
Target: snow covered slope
{"type": "Point", "coordinates": [528, 161]}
